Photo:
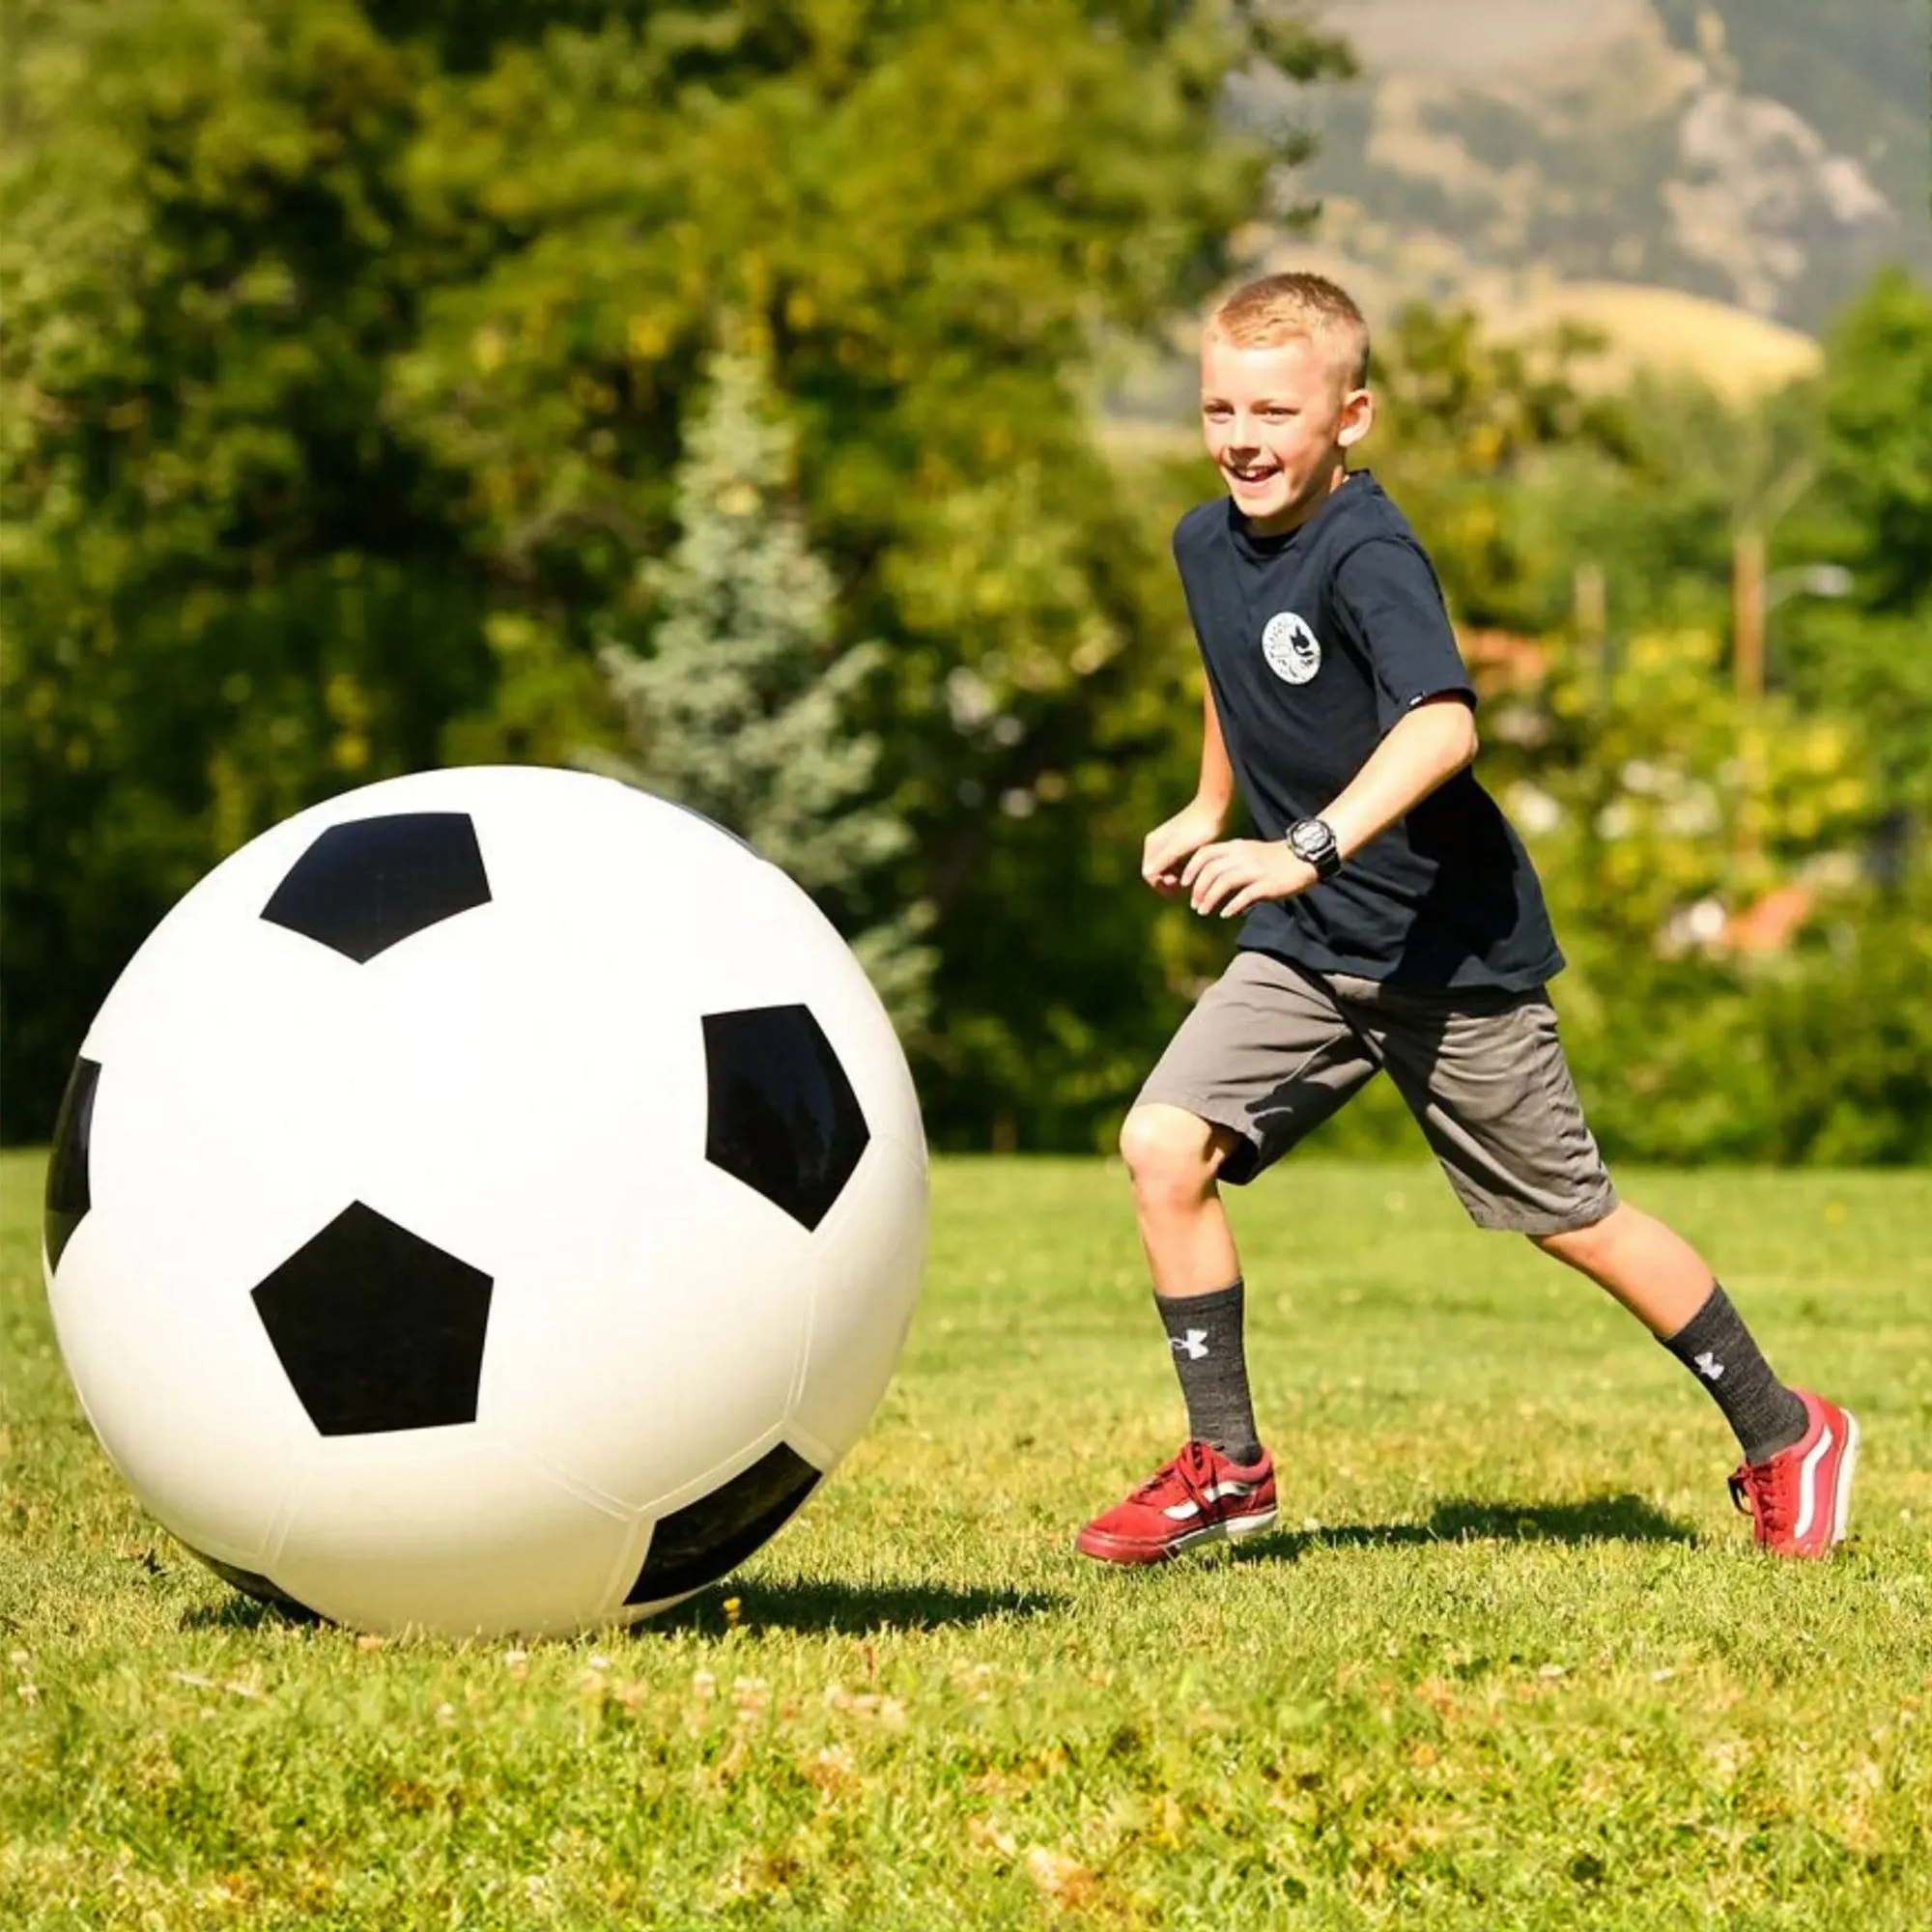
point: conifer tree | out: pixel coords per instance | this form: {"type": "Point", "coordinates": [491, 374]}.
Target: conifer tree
{"type": "Point", "coordinates": [740, 706]}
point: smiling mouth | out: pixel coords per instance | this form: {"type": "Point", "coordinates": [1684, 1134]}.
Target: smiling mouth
{"type": "Point", "coordinates": [1251, 477]}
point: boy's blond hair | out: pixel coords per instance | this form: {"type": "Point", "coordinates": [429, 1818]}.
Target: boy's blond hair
{"type": "Point", "coordinates": [1280, 308]}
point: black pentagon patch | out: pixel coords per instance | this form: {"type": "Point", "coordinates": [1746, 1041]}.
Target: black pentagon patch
{"type": "Point", "coordinates": [365, 884]}
{"type": "Point", "coordinates": [68, 1197]}
{"type": "Point", "coordinates": [783, 1117]}
{"type": "Point", "coordinates": [251, 1583]}
{"type": "Point", "coordinates": [377, 1329]}
{"type": "Point", "coordinates": [704, 1540]}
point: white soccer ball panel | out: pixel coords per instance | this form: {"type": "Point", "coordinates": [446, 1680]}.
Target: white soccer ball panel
{"type": "Point", "coordinates": [868, 1260]}
{"type": "Point", "coordinates": [641, 1375]}
{"type": "Point", "coordinates": [461, 1536]}
{"type": "Point", "coordinates": [186, 1395]}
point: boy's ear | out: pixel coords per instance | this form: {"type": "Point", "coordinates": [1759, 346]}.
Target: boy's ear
{"type": "Point", "coordinates": [1358, 418]}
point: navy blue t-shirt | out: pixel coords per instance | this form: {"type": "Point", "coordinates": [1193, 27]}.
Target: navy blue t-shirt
{"type": "Point", "coordinates": [1316, 643]}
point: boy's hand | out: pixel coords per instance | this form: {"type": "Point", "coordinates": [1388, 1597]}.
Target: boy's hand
{"type": "Point", "coordinates": [1252, 869]}
{"type": "Point", "coordinates": [1167, 846]}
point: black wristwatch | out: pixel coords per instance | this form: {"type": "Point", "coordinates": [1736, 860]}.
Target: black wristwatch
{"type": "Point", "coordinates": [1311, 840]}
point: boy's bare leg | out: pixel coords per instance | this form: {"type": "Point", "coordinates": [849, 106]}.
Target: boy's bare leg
{"type": "Point", "coordinates": [1668, 1285]}
{"type": "Point", "coordinates": [1173, 1157]}
{"type": "Point", "coordinates": [1652, 1270]}
{"type": "Point", "coordinates": [1221, 1485]}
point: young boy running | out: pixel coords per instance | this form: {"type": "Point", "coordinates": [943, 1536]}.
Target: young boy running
{"type": "Point", "coordinates": [1394, 923]}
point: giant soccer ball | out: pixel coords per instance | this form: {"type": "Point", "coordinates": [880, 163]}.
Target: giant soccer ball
{"type": "Point", "coordinates": [491, 1201]}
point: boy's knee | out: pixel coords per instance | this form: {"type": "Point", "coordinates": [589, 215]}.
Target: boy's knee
{"type": "Point", "coordinates": [1581, 1248]}
{"type": "Point", "coordinates": [1170, 1151]}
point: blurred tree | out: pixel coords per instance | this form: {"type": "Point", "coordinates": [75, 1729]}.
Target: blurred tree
{"type": "Point", "coordinates": [1476, 436]}
{"type": "Point", "coordinates": [740, 708]}
{"type": "Point", "coordinates": [1670, 820]}
{"type": "Point", "coordinates": [347, 353]}
{"type": "Point", "coordinates": [928, 212]}
{"type": "Point", "coordinates": [1870, 513]}
{"type": "Point", "coordinates": [232, 584]}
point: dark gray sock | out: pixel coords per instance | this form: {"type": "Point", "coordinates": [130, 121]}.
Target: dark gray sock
{"type": "Point", "coordinates": [1717, 1348]}
{"type": "Point", "coordinates": [1205, 1333]}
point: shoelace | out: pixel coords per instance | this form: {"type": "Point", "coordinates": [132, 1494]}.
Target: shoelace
{"type": "Point", "coordinates": [1768, 1494]}
{"type": "Point", "coordinates": [1190, 1472]}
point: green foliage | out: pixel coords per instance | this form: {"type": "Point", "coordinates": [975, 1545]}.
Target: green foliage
{"type": "Point", "coordinates": [1661, 812]}
{"type": "Point", "coordinates": [738, 710]}
{"type": "Point", "coordinates": [928, 213]}
{"type": "Point", "coordinates": [1870, 513]}
{"type": "Point", "coordinates": [232, 586]}
{"type": "Point", "coordinates": [1471, 433]}
{"type": "Point", "coordinates": [351, 351]}
{"type": "Point", "coordinates": [1510, 1662]}
{"type": "Point", "coordinates": [347, 359]}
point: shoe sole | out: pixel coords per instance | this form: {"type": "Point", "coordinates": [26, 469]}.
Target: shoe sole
{"type": "Point", "coordinates": [1232, 1529]}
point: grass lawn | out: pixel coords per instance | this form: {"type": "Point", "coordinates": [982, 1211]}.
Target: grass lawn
{"type": "Point", "coordinates": [1510, 1662]}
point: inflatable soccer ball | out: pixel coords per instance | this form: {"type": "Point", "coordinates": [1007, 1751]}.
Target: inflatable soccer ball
{"type": "Point", "coordinates": [489, 1201]}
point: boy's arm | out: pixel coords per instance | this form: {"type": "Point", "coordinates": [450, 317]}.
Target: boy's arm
{"type": "Point", "coordinates": [1199, 821]}
{"type": "Point", "coordinates": [1216, 788]}
{"type": "Point", "coordinates": [1428, 745]}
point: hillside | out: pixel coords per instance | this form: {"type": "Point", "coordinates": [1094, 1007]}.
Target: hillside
{"type": "Point", "coordinates": [1761, 155]}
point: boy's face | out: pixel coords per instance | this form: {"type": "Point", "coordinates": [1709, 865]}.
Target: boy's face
{"type": "Point", "coordinates": [1277, 418]}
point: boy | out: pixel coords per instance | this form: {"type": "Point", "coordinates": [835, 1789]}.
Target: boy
{"type": "Point", "coordinates": [1394, 922]}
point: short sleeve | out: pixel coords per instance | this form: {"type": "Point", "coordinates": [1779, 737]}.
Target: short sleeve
{"type": "Point", "coordinates": [1392, 604]}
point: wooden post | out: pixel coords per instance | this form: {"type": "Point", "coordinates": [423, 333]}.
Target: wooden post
{"type": "Point", "coordinates": [1747, 613]}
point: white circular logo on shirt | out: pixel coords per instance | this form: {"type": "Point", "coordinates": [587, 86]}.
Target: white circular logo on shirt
{"type": "Point", "coordinates": [1293, 652]}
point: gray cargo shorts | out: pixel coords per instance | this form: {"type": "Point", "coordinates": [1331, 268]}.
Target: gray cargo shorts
{"type": "Point", "coordinates": [1271, 1050]}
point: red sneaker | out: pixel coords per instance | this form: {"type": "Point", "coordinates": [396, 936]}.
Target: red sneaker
{"type": "Point", "coordinates": [1199, 1497]}
{"type": "Point", "coordinates": [1797, 1500]}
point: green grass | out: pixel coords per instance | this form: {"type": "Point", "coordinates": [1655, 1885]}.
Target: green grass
{"type": "Point", "coordinates": [1510, 1662]}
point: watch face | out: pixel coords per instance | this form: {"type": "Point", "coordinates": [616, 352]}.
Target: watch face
{"type": "Point", "coordinates": [1311, 842]}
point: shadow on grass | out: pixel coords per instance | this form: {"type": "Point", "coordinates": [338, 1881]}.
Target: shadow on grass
{"type": "Point", "coordinates": [847, 1610]}
{"type": "Point", "coordinates": [236, 1612]}
{"type": "Point", "coordinates": [1622, 1518]}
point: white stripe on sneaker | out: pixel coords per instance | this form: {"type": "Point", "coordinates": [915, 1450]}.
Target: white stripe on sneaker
{"type": "Point", "coordinates": [1807, 1484]}
{"type": "Point", "coordinates": [1181, 1512]}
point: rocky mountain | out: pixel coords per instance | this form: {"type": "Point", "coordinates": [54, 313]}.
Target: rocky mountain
{"type": "Point", "coordinates": [1761, 155]}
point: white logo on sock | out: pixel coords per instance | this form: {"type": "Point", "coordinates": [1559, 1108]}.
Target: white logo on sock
{"type": "Point", "coordinates": [1194, 1343]}
{"type": "Point", "coordinates": [1709, 1365]}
